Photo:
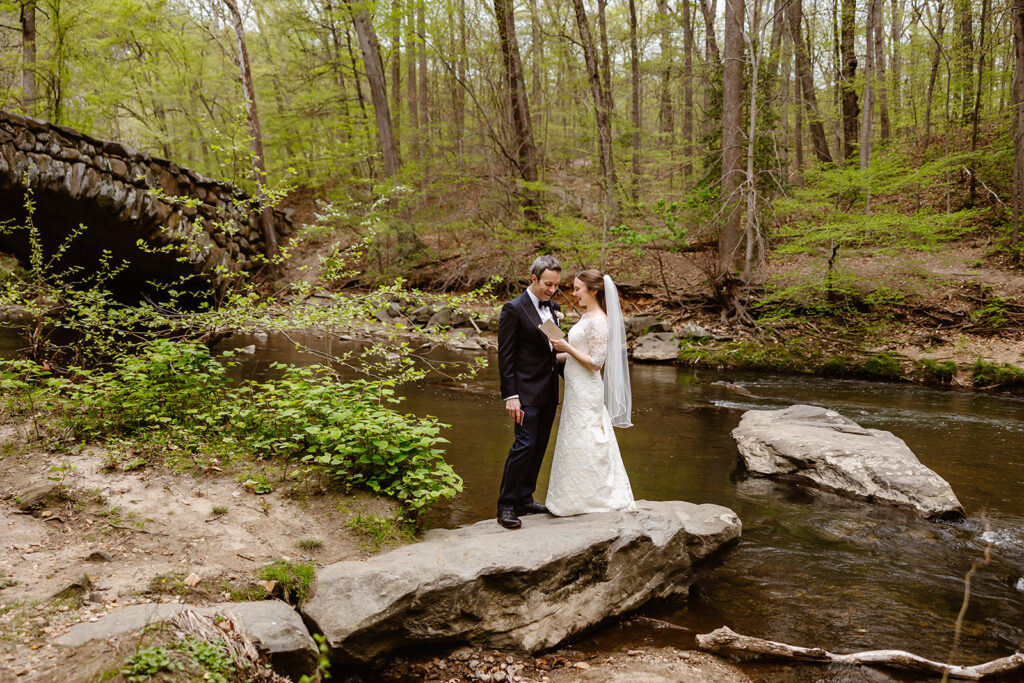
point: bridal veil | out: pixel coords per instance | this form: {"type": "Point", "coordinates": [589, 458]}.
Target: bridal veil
{"type": "Point", "coordinates": [617, 397]}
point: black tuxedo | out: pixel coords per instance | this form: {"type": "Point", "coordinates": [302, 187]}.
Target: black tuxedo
{"type": "Point", "coordinates": [528, 368]}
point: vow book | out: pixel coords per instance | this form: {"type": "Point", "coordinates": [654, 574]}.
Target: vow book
{"type": "Point", "coordinates": [552, 330]}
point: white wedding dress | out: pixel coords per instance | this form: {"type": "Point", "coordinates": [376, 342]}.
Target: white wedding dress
{"type": "Point", "coordinates": [587, 474]}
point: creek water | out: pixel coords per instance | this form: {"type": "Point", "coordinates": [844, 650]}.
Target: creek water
{"type": "Point", "coordinates": [812, 568]}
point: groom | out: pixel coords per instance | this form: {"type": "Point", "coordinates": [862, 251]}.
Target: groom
{"type": "Point", "coordinates": [529, 387]}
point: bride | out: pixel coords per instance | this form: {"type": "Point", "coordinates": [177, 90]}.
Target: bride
{"type": "Point", "coordinates": [587, 474]}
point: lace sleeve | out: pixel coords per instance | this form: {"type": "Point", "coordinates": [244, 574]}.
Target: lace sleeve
{"type": "Point", "coordinates": [597, 340]}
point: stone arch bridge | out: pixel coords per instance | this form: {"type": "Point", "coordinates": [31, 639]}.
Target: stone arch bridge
{"type": "Point", "coordinates": [109, 187]}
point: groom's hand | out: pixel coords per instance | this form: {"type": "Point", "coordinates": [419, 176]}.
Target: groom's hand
{"type": "Point", "coordinates": [515, 410]}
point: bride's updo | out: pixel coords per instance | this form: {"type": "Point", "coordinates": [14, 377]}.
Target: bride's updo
{"type": "Point", "coordinates": [593, 279]}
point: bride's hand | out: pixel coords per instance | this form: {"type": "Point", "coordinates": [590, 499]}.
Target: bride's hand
{"type": "Point", "coordinates": [561, 357]}
{"type": "Point", "coordinates": [560, 344]}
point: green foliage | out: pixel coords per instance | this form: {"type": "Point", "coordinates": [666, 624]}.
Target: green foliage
{"type": "Point", "coordinates": [882, 366]}
{"type": "Point", "coordinates": [148, 662]}
{"type": "Point", "coordinates": [994, 314]}
{"type": "Point", "coordinates": [1003, 375]}
{"type": "Point", "coordinates": [379, 531]}
{"type": "Point", "coordinates": [178, 393]}
{"type": "Point", "coordinates": [935, 371]}
{"type": "Point", "coordinates": [310, 544]}
{"type": "Point", "coordinates": [323, 664]}
{"type": "Point", "coordinates": [212, 657]}
{"type": "Point", "coordinates": [294, 578]}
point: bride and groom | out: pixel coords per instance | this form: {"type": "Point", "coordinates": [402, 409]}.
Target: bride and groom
{"type": "Point", "coordinates": [587, 474]}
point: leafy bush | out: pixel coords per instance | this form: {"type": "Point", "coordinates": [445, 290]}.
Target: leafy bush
{"type": "Point", "coordinates": [935, 371]}
{"type": "Point", "coordinates": [882, 366]}
{"type": "Point", "coordinates": [1004, 375]}
{"type": "Point", "coordinates": [178, 394]}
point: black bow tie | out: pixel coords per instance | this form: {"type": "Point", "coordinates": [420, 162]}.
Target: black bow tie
{"type": "Point", "coordinates": [549, 304]}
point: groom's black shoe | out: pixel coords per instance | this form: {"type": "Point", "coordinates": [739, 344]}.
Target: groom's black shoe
{"type": "Point", "coordinates": [531, 508]}
{"type": "Point", "coordinates": [508, 519]}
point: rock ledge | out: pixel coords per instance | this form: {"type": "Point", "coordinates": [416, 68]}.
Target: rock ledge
{"type": "Point", "coordinates": [527, 590]}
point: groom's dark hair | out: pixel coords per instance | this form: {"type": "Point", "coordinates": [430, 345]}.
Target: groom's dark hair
{"type": "Point", "coordinates": [545, 262]}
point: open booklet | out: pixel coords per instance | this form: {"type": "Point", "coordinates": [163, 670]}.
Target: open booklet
{"type": "Point", "coordinates": [552, 330]}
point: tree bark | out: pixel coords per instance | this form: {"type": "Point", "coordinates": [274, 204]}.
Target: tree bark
{"type": "Point", "coordinates": [634, 52]}
{"type": "Point", "coordinates": [895, 92]}
{"type": "Point", "coordinates": [851, 110]}
{"type": "Point", "coordinates": [526, 154]}
{"type": "Point", "coordinates": [867, 122]}
{"type": "Point", "coordinates": [688, 50]}
{"type": "Point", "coordinates": [880, 85]}
{"type": "Point", "coordinates": [606, 59]}
{"type": "Point", "coordinates": [259, 167]}
{"type": "Point", "coordinates": [964, 20]}
{"type": "Point", "coordinates": [732, 136]}
{"type": "Point", "coordinates": [396, 70]}
{"type": "Point", "coordinates": [424, 104]}
{"type": "Point", "coordinates": [725, 639]}
{"type": "Point", "coordinates": [712, 58]}
{"type": "Point", "coordinates": [975, 117]}
{"type": "Point", "coordinates": [378, 91]}
{"type": "Point", "coordinates": [601, 109]}
{"type": "Point", "coordinates": [1017, 98]}
{"type": "Point", "coordinates": [803, 69]}
{"type": "Point", "coordinates": [666, 122]}
{"type": "Point", "coordinates": [411, 95]}
{"type": "Point", "coordinates": [28, 56]}
{"type": "Point", "coordinates": [940, 29]}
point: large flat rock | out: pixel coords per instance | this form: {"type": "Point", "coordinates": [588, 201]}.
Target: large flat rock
{"type": "Point", "coordinates": [527, 589]}
{"type": "Point", "coordinates": [820, 446]}
{"type": "Point", "coordinates": [274, 627]}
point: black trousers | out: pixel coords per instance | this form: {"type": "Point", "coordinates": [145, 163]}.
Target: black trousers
{"type": "Point", "coordinates": [519, 480]}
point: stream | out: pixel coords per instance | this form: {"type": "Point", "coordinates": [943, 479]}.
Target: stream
{"type": "Point", "coordinates": [811, 568]}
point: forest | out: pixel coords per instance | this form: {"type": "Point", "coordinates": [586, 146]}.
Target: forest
{"type": "Point", "coordinates": [650, 126]}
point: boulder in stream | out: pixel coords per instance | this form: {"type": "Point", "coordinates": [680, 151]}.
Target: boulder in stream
{"type": "Point", "coordinates": [656, 346]}
{"type": "Point", "coordinates": [821, 447]}
{"type": "Point", "coordinates": [527, 589]}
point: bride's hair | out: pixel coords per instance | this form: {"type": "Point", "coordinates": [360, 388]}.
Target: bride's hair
{"type": "Point", "coordinates": [593, 280]}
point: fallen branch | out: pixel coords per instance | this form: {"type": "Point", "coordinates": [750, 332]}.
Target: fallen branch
{"type": "Point", "coordinates": [725, 639]}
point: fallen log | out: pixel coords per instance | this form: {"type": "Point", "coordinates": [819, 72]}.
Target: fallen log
{"type": "Point", "coordinates": [725, 639]}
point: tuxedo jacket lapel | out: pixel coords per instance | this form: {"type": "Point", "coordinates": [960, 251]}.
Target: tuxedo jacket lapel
{"type": "Point", "coordinates": [530, 311]}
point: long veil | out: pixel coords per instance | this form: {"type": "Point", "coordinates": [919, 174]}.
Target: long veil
{"type": "Point", "coordinates": [617, 396]}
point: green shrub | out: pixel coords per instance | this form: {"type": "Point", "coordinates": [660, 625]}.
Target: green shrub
{"type": "Point", "coordinates": [935, 371]}
{"type": "Point", "coordinates": [178, 394]}
{"type": "Point", "coordinates": [881, 366]}
{"type": "Point", "coordinates": [379, 531]}
{"type": "Point", "coordinates": [1004, 375]}
{"type": "Point", "coordinates": [840, 366]}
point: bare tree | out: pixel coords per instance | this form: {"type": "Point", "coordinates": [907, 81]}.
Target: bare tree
{"type": "Point", "coordinates": [601, 111]}
{"type": "Point", "coordinates": [804, 74]}
{"type": "Point", "coordinates": [28, 55]}
{"type": "Point", "coordinates": [378, 90]}
{"type": "Point", "coordinates": [259, 166]}
{"type": "Point", "coordinates": [666, 118]}
{"type": "Point", "coordinates": [732, 136]}
{"type": "Point", "coordinates": [1017, 18]}
{"type": "Point", "coordinates": [688, 50]}
{"type": "Point", "coordinates": [880, 86]}
{"type": "Point", "coordinates": [522, 129]}
{"type": "Point", "coordinates": [848, 72]}
{"type": "Point", "coordinates": [977, 96]}
{"type": "Point", "coordinates": [936, 34]}
{"type": "Point", "coordinates": [634, 52]}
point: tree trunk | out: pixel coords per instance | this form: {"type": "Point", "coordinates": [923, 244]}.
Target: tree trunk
{"type": "Point", "coordinates": [666, 122]}
{"type": "Point", "coordinates": [526, 154]}
{"type": "Point", "coordinates": [378, 90]}
{"type": "Point", "coordinates": [28, 56]}
{"type": "Point", "coordinates": [977, 97]}
{"type": "Point", "coordinates": [601, 109]}
{"type": "Point", "coordinates": [752, 230]}
{"type": "Point", "coordinates": [732, 136]}
{"type": "Point", "coordinates": [964, 62]}
{"type": "Point", "coordinates": [850, 110]}
{"type": "Point", "coordinates": [688, 50]}
{"type": "Point", "coordinates": [424, 106]}
{"type": "Point", "coordinates": [606, 59]}
{"type": "Point", "coordinates": [259, 167]}
{"type": "Point", "coordinates": [411, 96]}
{"type": "Point", "coordinates": [896, 62]}
{"type": "Point", "coordinates": [461, 67]}
{"type": "Point", "coordinates": [339, 75]}
{"type": "Point", "coordinates": [940, 29]}
{"type": "Point", "coordinates": [867, 121]}
{"type": "Point", "coordinates": [879, 85]}
{"type": "Point", "coordinates": [396, 69]}
{"type": "Point", "coordinates": [803, 69]}
{"type": "Point", "coordinates": [634, 52]}
{"type": "Point", "coordinates": [1017, 95]}
{"type": "Point", "coordinates": [712, 58]}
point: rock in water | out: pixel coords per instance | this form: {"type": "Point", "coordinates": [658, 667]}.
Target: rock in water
{"type": "Point", "coordinates": [656, 346]}
{"type": "Point", "coordinates": [527, 589]}
{"type": "Point", "coordinates": [822, 447]}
